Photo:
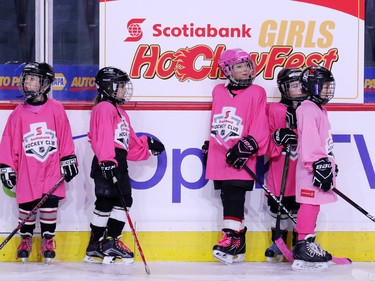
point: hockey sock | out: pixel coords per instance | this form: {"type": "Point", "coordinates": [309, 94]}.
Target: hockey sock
{"type": "Point", "coordinates": [116, 221]}
{"type": "Point", "coordinates": [306, 220]}
{"type": "Point", "coordinates": [48, 217]}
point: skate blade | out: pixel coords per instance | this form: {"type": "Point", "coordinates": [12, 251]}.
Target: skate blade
{"type": "Point", "coordinates": [299, 265]}
{"type": "Point", "coordinates": [47, 260]}
{"type": "Point", "coordinates": [96, 260]}
{"type": "Point", "coordinates": [275, 259]}
{"type": "Point", "coordinates": [117, 260]}
{"type": "Point", "coordinates": [24, 260]}
{"type": "Point", "coordinates": [228, 259]}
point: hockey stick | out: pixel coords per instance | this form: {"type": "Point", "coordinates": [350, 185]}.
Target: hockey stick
{"type": "Point", "coordinates": [351, 202]}
{"type": "Point", "coordinates": [147, 269]}
{"type": "Point", "coordinates": [282, 190]}
{"type": "Point", "coordinates": [257, 179]}
{"type": "Point", "coordinates": [32, 212]}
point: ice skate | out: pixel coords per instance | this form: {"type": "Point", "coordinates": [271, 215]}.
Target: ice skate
{"type": "Point", "coordinates": [24, 249]}
{"type": "Point", "coordinates": [48, 248]}
{"type": "Point", "coordinates": [94, 253]}
{"type": "Point", "coordinates": [115, 251]}
{"type": "Point", "coordinates": [309, 256]}
{"type": "Point", "coordinates": [231, 247]}
{"type": "Point", "coordinates": [273, 253]}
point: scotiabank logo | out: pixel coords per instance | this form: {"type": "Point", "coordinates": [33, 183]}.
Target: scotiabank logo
{"type": "Point", "coordinates": [190, 30]}
{"type": "Point", "coordinates": [134, 30]}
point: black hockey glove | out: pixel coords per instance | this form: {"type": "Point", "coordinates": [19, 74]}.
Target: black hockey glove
{"type": "Point", "coordinates": [205, 147]}
{"type": "Point", "coordinates": [109, 170]}
{"type": "Point", "coordinates": [291, 117]}
{"type": "Point", "coordinates": [69, 167]}
{"type": "Point", "coordinates": [241, 152]}
{"type": "Point", "coordinates": [8, 176]}
{"type": "Point", "coordinates": [336, 170]}
{"type": "Point", "coordinates": [155, 146]}
{"type": "Point", "coordinates": [323, 177]}
{"type": "Point", "coordinates": [284, 136]}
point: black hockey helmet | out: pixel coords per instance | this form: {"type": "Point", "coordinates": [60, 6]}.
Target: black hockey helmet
{"type": "Point", "coordinates": [289, 85]}
{"type": "Point", "coordinates": [45, 75]}
{"type": "Point", "coordinates": [108, 80]}
{"type": "Point", "coordinates": [318, 83]}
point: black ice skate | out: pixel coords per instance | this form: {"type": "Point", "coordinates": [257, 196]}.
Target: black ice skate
{"type": "Point", "coordinates": [273, 253]}
{"type": "Point", "coordinates": [115, 251]}
{"type": "Point", "coordinates": [231, 247]}
{"type": "Point", "coordinates": [48, 248]}
{"type": "Point", "coordinates": [309, 256]}
{"type": "Point", "coordinates": [94, 252]}
{"type": "Point", "coordinates": [24, 248]}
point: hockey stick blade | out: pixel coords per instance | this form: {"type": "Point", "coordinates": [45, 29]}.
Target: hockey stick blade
{"type": "Point", "coordinates": [147, 269]}
{"type": "Point", "coordinates": [32, 212]}
{"type": "Point", "coordinates": [288, 254]}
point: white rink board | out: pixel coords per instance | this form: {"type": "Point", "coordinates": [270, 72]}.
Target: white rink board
{"type": "Point", "coordinates": [159, 208]}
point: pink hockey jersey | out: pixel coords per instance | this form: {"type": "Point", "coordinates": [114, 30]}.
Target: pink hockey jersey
{"type": "Point", "coordinates": [233, 118]}
{"type": "Point", "coordinates": [34, 140]}
{"type": "Point", "coordinates": [314, 142]}
{"type": "Point", "coordinates": [276, 116]}
{"type": "Point", "coordinates": [109, 131]}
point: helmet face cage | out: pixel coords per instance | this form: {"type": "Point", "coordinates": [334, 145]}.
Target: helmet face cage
{"type": "Point", "coordinates": [229, 59]}
{"type": "Point", "coordinates": [33, 72]}
{"type": "Point", "coordinates": [110, 80]}
{"type": "Point", "coordinates": [289, 85]}
{"type": "Point", "coordinates": [319, 83]}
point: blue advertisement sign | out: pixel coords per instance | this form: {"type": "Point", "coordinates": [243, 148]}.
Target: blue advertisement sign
{"type": "Point", "coordinates": [75, 83]}
{"type": "Point", "coordinates": [369, 84]}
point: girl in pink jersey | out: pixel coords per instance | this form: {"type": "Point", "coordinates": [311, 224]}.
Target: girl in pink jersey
{"type": "Point", "coordinates": [283, 128]}
{"type": "Point", "coordinates": [239, 117]}
{"type": "Point", "coordinates": [113, 141]}
{"type": "Point", "coordinates": [36, 148]}
{"type": "Point", "coordinates": [315, 171]}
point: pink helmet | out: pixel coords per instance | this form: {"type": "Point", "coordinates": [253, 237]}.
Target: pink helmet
{"type": "Point", "coordinates": [234, 56]}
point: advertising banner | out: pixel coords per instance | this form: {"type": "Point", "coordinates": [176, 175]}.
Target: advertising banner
{"type": "Point", "coordinates": [172, 53]}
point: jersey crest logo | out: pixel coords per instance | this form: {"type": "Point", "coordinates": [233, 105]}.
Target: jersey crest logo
{"type": "Point", "coordinates": [40, 142]}
{"type": "Point", "coordinates": [227, 124]}
{"type": "Point", "coordinates": [122, 133]}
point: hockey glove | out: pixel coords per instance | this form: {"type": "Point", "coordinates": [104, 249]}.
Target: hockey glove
{"type": "Point", "coordinates": [69, 167]}
{"type": "Point", "coordinates": [205, 152]}
{"type": "Point", "coordinates": [155, 146]}
{"type": "Point", "coordinates": [336, 170]}
{"type": "Point", "coordinates": [8, 176]}
{"type": "Point", "coordinates": [323, 177]}
{"type": "Point", "coordinates": [241, 152]}
{"type": "Point", "coordinates": [284, 136]}
{"type": "Point", "coordinates": [109, 170]}
{"type": "Point", "coordinates": [291, 117]}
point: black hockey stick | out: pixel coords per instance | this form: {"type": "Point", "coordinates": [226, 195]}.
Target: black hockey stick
{"type": "Point", "coordinates": [351, 202]}
{"type": "Point", "coordinates": [257, 179]}
{"type": "Point", "coordinates": [147, 269]}
{"type": "Point", "coordinates": [282, 190]}
{"type": "Point", "coordinates": [32, 212]}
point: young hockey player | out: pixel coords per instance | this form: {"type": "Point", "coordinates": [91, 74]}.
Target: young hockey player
{"type": "Point", "coordinates": [239, 117]}
{"type": "Point", "coordinates": [315, 172]}
{"type": "Point", "coordinates": [282, 122]}
{"type": "Point", "coordinates": [36, 148]}
{"type": "Point", "coordinates": [113, 141]}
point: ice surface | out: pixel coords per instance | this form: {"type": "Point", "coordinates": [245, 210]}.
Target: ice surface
{"type": "Point", "coordinates": [179, 271]}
